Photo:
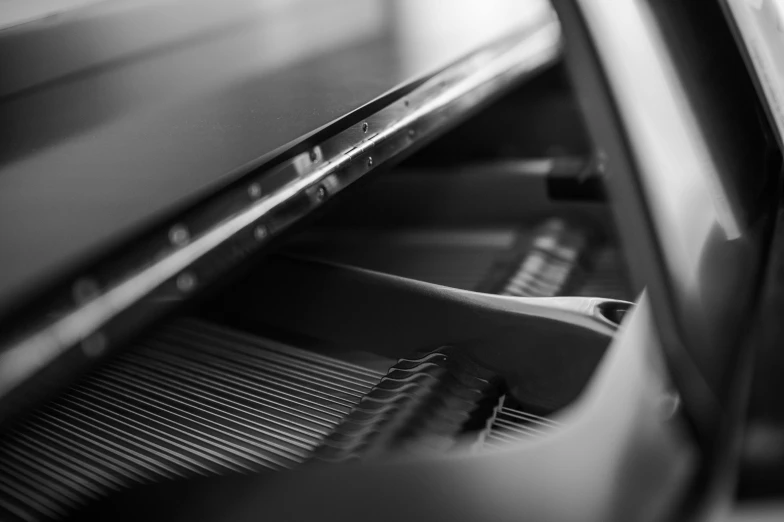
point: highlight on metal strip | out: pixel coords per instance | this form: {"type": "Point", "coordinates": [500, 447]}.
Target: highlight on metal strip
{"type": "Point", "coordinates": [312, 177]}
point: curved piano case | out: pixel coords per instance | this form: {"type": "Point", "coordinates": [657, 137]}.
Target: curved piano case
{"type": "Point", "coordinates": [449, 338]}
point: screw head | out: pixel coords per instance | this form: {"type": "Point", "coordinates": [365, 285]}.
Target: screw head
{"type": "Point", "coordinates": [601, 162]}
{"type": "Point", "coordinates": [370, 161]}
{"type": "Point", "coordinates": [85, 290]}
{"type": "Point", "coordinates": [254, 190]}
{"type": "Point", "coordinates": [94, 345]}
{"type": "Point", "coordinates": [186, 282]}
{"type": "Point", "coordinates": [179, 235]}
{"type": "Point", "coordinates": [364, 126]}
{"type": "Point", "coordinates": [321, 193]}
{"type": "Point", "coordinates": [260, 232]}
{"type": "Point", "coordinates": [313, 155]}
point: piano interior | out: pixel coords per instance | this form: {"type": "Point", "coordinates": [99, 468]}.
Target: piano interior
{"type": "Point", "coordinates": [322, 349]}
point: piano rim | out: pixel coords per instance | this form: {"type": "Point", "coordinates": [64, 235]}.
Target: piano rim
{"type": "Point", "coordinates": [89, 316]}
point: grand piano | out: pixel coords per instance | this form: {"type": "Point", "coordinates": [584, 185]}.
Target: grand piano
{"type": "Point", "coordinates": [391, 260]}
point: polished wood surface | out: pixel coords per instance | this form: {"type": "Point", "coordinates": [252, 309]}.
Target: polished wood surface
{"type": "Point", "coordinates": [116, 116]}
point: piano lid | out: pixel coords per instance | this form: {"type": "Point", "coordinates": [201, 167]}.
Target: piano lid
{"type": "Point", "coordinates": [760, 28]}
{"type": "Point", "coordinates": [674, 116]}
{"type": "Point", "coordinates": [247, 158]}
{"type": "Point", "coordinates": [117, 114]}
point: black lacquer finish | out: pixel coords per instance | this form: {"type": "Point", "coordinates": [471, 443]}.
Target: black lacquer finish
{"type": "Point", "coordinates": [617, 455]}
{"type": "Point", "coordinates": [116, 295]}
{"type": "Point", "coordinates": [112, 117]}
{"type": "Point", "coordinates": [691, 192]}
{"type": "Point", "coordinates": [526, 340]}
